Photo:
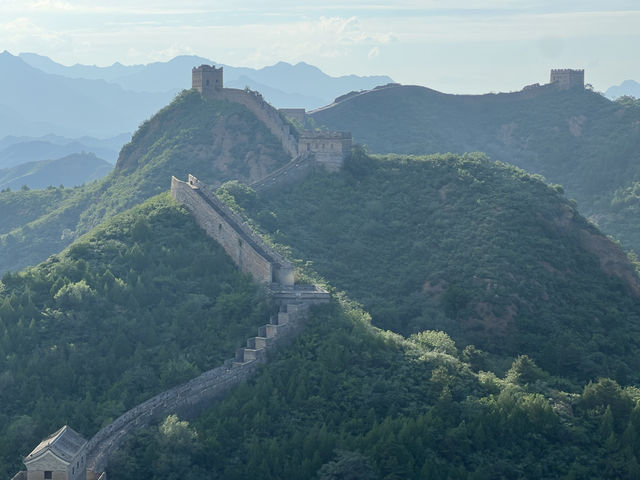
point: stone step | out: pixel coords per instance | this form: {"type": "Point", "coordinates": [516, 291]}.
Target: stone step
{"type": "Point", "coordinates": [283, 318]}
{"type": "Point", "coordinates": [258, 342]}
{"type": "Point", "coordinates": [251, 354]}
{"type": "Point", "coordinates": [269, 330]}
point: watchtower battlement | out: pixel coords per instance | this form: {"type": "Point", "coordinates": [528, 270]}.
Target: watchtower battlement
{"type": "Point", "coordinates": [565, 78]}
{"type": "Point", "coordinates": [330, 148]}
{"type": "Point", "coordinates": [207, 79]}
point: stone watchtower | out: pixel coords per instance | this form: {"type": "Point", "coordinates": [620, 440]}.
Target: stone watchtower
{"type": "Point", "coordinates": [207, 79]}
{"type": "Point", "coordinates": [60, 456]}
{"type": "Point", "coordinates": [566, 78]}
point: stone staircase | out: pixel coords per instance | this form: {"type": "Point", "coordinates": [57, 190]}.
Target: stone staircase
{"type": "Point", "coordinates": [257, 347]}
{"type": "Point", "coordinates": [192, 397]}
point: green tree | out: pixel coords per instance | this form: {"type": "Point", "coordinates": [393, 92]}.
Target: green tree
{"type": "Point", "coordinates": [347, 465]}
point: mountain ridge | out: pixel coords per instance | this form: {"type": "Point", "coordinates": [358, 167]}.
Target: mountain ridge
{"type": "Point", "coordinates": [220, 140]}
{"type": "Point", "coordinates": [73, 169]}
{"type": "Point", "coordinates": [290, 83]}
{"type": "Point", "coordinates": [72, 107]}
{"type": "Point", "coordinates": [576, 138]}
{"type": "Point", "coordinates": [485, 250]}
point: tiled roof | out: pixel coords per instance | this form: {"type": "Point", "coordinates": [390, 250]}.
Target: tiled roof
{"type": "Point", "coordinates": [65, 443]}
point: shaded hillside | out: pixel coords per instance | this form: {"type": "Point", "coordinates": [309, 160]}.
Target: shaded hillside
{"type": "Point", "coordinates": [215, 140]}
{"type": "Point", "coordinates": [483, 251]}
{"type": "Point", "coordinates": [576, 138]}
{"type": "Point", "coordinates": [124, 313]}
{"type": "Point", "coordinates": [347, 401]}
{"type": "Point", "coordinates": [22, 207]}
{"type": "Point", "coordinates": [72, 170]}
{"type": "Point", "coordinates": [346, 397]}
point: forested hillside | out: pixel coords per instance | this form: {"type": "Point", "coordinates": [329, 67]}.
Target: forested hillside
{"type": "Point", "coordinates": [469, 263]}
{"type": "Point", "coordinates": [576, 138]}
{"type": "Point", "coordinates": [216, 140]}
{"type": "Point", "coordinates": [496, 332]}
{"type": "Point", "coordinates": [348, 401]}
{"type": "Point", "coordinates": [483, 251]}
{"type": "Point", "coordinates": [142, 303]}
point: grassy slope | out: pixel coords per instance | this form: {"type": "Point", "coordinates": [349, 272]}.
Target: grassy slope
{"type": "Point", "coordinates": [142, 303]}
{"type": "Point", "coordinates": [215, 140]}
{"type": "Point", "coordinates": [485, 252]}
{"type": "Point", "coordinates": [578, 138]}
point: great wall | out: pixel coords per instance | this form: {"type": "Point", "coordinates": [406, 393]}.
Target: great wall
{"type": "Point", "coordinates": [252, 255]}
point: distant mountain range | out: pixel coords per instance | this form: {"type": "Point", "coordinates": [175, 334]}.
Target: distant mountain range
{"type": "Point", "coordinates": [282, 84]}
{"type": "Point", "coordinates": [628, 87]}
{"type": "Point", "coordinates": [17, 150]}
{"type": "Point", "coordinates": [70, 171]}
{"type": "Point", "coordinates": [49, 110]}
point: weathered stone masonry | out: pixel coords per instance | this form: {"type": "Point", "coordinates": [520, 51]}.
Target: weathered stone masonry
{"type": "Point", "coordinates": [328, 149]}
{"type": "Point", "coordinates": [247, 250]}
{"type": "Point", "coordinates": [292, 172]}
{"type": "Point", "coordinates": [252, 256]}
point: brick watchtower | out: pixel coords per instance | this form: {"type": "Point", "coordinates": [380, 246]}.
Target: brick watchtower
{"type": "Point", "coordinates": [566, 78]}
{"type": "Point", "coordinates": [207, 79]}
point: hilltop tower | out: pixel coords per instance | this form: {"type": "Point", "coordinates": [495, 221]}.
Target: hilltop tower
{"type": "Point", "coordinates": [207, 79]}
{"type": "Point", "coordinates": [566, 78]}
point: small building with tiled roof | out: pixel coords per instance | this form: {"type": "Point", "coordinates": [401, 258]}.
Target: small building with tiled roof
{"type": "Point", "coordinates": [60, 456]}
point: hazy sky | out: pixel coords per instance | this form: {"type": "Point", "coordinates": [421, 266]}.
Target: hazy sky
{"type": "Point", "coordinates": [458, 46]}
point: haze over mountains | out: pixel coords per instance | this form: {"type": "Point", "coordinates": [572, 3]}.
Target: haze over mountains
{"type": "Point", "coordinates": [282, 84]}
{"type": "Point", "coordinates": [70, 171]}
{"type": "Point", "coordinates": [48, 110]}
{"type": "Point", "coordinates": [628, 87]}
{"type": "Point", "coordinates": [16, 150]}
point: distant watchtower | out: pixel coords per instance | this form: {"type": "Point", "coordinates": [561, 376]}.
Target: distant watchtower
{"type": "Point", "coordinates": [566, 78]}
{"type": "Point", "coordinates": [207, 79]}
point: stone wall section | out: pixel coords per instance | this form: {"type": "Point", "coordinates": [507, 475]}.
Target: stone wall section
{"type": "Point", "coordinates": [265, 113]}
{"type": "Point", "coordinates": [192, 397]}
{"type": "Point", "coordinates": [329, 148]}
{"type": "Point", "coordinates": [292, 172]}
{"type": "Point", "coordinates": [247, 250]}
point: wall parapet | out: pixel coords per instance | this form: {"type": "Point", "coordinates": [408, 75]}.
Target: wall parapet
{"type": "Point", "coordinates": [266, 113]}
{"type": "Point", "coordinates": [295, 170]}
{"type": "Point", "coordinates": [247, 249]}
